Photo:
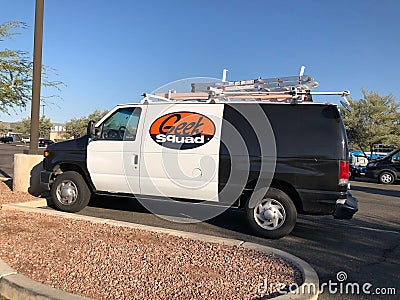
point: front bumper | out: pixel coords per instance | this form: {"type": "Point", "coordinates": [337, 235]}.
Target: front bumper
{"type": "Point", "coordinates": [46, 178]}
{"type": "Point", "coordinates": [346, 209]}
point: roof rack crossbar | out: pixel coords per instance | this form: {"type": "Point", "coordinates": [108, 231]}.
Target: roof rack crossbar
{"type": "Point", "coordinates": [297, 95]}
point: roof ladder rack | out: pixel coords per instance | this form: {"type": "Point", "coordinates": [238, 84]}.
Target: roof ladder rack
{"type": "Point", "coordinates": [292, 89]}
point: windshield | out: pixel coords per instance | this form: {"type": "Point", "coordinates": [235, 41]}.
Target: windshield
{"type": "Point", "coordinates": [393, 152]}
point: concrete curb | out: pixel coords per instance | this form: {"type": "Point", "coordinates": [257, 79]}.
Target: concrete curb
{"type": "Point", "coordinates": [29, 289]}
{"type": "Point", "coordinates": [19, 287]}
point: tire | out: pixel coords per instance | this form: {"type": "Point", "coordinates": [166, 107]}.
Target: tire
{"type": "Point", "coordinates": [69, 192]}
{"type": "Point", "coordinates": [386, 177]}
{"type": "Point", "coordinates": [283, 212]}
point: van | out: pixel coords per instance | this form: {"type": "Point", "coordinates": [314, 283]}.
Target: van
{"type": "Point", "coordinates": [273, 157]}
{"type": "Point", "coordinates": [386, 169]}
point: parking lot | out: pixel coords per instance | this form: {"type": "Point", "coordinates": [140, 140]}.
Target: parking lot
{"type": "Point", "coordinates": [366, 248]}
{"type": "Point", "coordinates": [7, 152]}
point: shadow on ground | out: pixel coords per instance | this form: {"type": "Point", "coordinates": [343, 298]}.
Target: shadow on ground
{"type": "Point", "coordinates": [4, 174]}
{"type": "Point", "coordinates": [384, 191]}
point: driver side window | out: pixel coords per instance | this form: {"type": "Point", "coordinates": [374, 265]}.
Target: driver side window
{"type": "Point", "coordinates": [122, 125]}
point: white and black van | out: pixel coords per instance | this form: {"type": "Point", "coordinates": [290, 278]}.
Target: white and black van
{"type": "Point", "coordinates": [273, 158]}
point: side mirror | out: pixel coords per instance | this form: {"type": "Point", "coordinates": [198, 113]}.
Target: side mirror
{"type": "Point", "coordinates": [97, 132]}
{"type": "Point", "coordinates": [91, 130]}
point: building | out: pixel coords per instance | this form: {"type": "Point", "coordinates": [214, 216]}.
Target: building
{"type": "Point", "coordinates": [6, 129]}
{"type": "Point", "coordinates": [57, 132]}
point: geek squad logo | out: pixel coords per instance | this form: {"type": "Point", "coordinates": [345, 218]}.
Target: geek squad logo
{"type": "Point", "coordinates": [182, 130]}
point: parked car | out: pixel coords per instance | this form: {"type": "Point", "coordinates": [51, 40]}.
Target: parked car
{"type": "Point", "coordinates": [26, 140]}
{"type": "Point", "coordinates": [6, 139]}
{"type": "Point", "coordinates": [387, 169]}
{"type": "Point", "coordinates": [356, 171]}
{"type": "Point", "coordinates": [358, 163]}
{"type": "Point", "coordinates": [45, 142]}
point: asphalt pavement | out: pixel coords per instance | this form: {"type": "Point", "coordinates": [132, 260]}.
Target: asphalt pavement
{"type": "Point", "coordinates": [361, 252]}
{"type": "Point", "coordinates": [7, 152]}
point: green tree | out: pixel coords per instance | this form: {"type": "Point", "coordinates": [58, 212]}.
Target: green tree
{"type": "Point", "coordinates": [76, 127]}
{"type": "Point", "coordinates": [24, 127]}
{"type": "Point", "coordinates": [16, 70]}
{"type": "Point", "coordinates": [3, 128]}
{"type": "Point", "coordinates": [374, 119]}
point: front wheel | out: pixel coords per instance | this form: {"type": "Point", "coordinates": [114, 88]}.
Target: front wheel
{"type": "Point", "coordinates": [274, 216]}
{"type": "Point", "coordinates": [69, 192]}
{"type": "Point", "coordinates": [386, 178]}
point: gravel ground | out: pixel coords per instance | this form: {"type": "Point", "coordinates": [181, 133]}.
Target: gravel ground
{"type": "Point", "coordinates": [108, 262]}
{"type": "Point", "coordinates": [8, 196]}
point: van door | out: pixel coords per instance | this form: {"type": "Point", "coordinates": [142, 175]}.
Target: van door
{"type": "Point", "coordinates": [113, 157]}
{"type": "Point", "coordinates": [181, 145]}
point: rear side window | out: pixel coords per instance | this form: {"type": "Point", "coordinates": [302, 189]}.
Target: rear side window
{"type": "Point", "coordinates": [122, 125]}
{"type": "Point", "coordinates": [313, 131]}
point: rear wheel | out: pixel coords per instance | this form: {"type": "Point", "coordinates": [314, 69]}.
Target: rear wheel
{"type": "Point", "coordinates": [69, 192]}
{"type": "Point", "coordinates": [386, 177]}
{"type": "Point", "coordinates": [274, 216]}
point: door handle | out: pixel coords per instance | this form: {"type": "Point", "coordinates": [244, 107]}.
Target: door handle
{"type": "Point", "coordinates": [135, 159]}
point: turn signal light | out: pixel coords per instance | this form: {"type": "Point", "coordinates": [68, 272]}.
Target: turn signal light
{"type": "Point", "coordinates": [46, 153]}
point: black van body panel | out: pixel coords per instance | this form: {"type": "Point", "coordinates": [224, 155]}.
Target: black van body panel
{"type": "Point", "coordinates": [310, 142]}
{"type": "Point", "coordinates": [71, 153]}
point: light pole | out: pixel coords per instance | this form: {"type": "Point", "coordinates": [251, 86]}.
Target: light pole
{"type": "Point", "coordinates": [37, 76]}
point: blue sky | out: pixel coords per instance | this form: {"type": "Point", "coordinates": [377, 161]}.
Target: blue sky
{"type": "Point", "coordinates": [110, 52]}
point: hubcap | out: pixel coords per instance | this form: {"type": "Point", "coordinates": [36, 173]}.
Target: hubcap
{"type": "Point", "coordinates": [269, 214]}
{"type": "Point", "coordinates": [386, 178]}
{"type": "Point", "coordinates": [67, 192]}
